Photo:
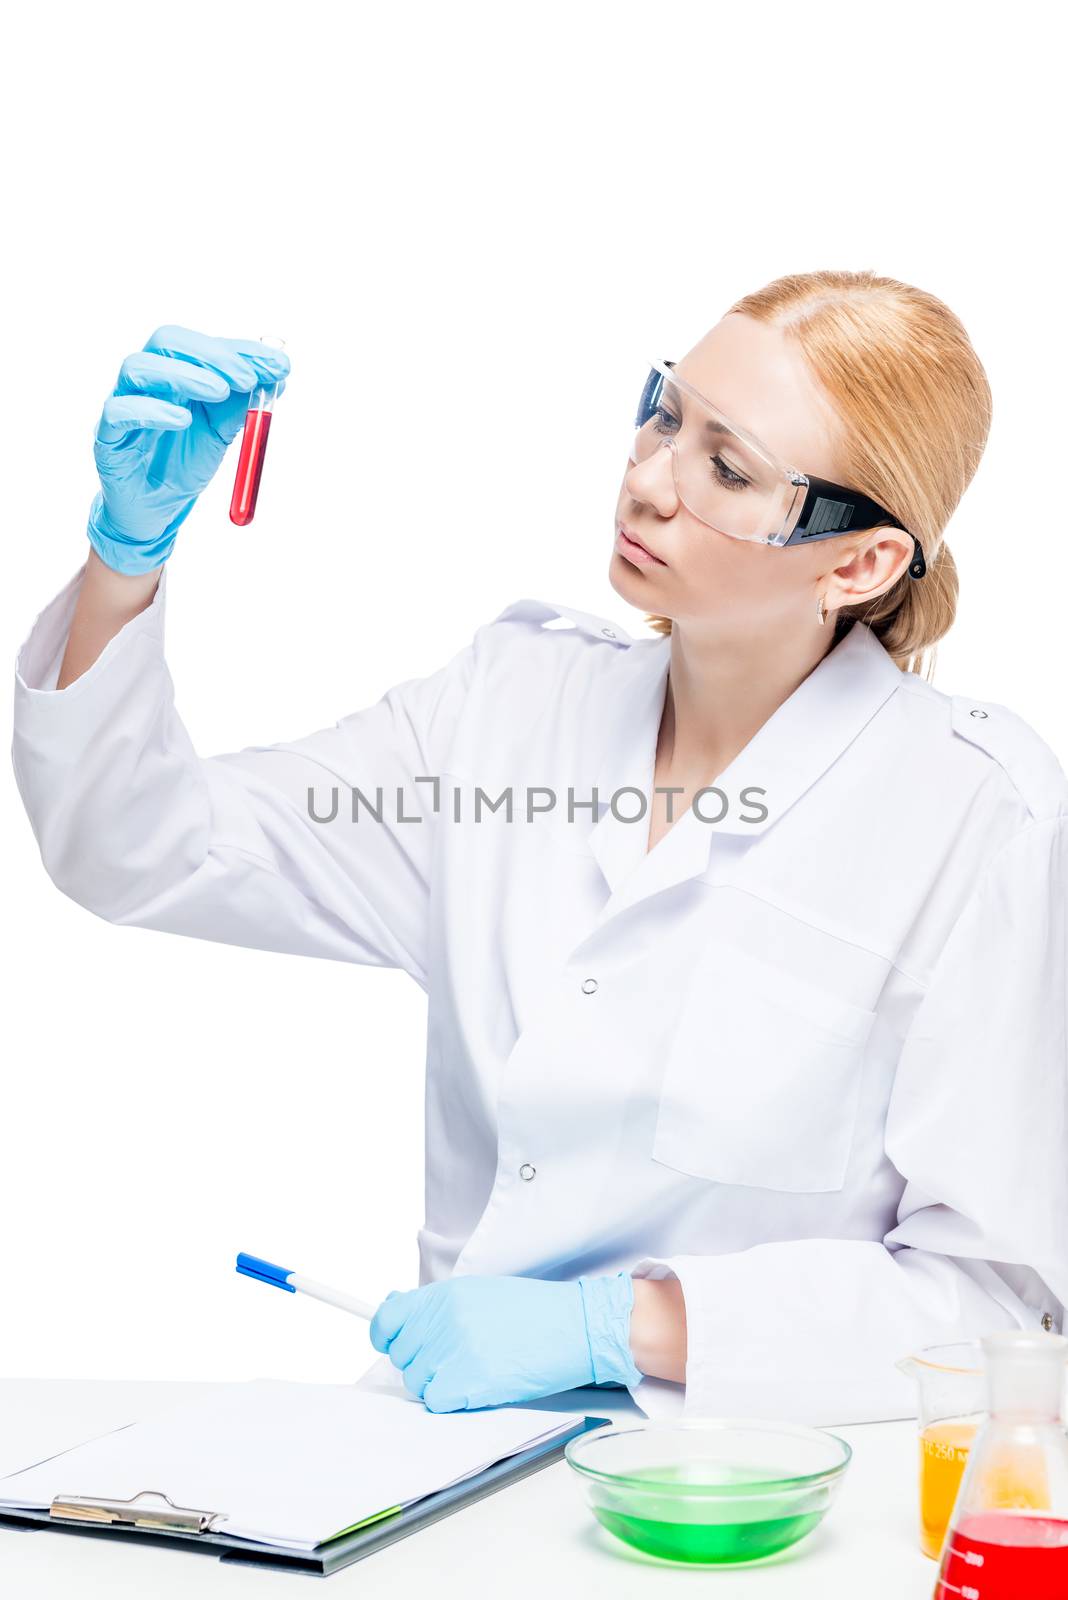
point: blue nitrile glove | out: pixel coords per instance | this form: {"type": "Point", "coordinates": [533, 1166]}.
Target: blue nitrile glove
{"type": "Point", "coordinates": [176, 406]}
{"type": "Point", "coordinates": [479, 1341]}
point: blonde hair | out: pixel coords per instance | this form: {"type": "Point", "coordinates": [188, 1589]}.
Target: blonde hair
{"type": "Point", "coordinates": [914, 406]}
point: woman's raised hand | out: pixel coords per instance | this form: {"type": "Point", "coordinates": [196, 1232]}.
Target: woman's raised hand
{"type": "Point", "coordinates": [163, 431]}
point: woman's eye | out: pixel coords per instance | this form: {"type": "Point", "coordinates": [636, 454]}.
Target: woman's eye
{"type": "Point", "coordinates": [661, 416]}
{"type": "Point", "coordinates": [728, 478]}
{"type": "Point", "coordinates": [663, 422]}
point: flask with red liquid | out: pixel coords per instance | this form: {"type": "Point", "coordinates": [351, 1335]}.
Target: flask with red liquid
{"type": "Point", "coordinates": [253, 447]}
{"type": "Point", "coordinates": [1008, 1535]}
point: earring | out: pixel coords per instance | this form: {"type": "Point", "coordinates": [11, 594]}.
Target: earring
{"type": "Point", "coordinates": [819, 611]}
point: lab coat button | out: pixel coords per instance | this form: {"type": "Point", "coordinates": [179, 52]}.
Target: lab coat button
{"type": "Point", "coordinates": [526, 1171]}
{"type": "Point", "coordinates": [1047, 1321]}
{"type": "Point", "coordinates": [979, 713]}
{"type": "Point", "coordinates": [608, 633]}
{"type": "Point", "coordinates": [589, 985]}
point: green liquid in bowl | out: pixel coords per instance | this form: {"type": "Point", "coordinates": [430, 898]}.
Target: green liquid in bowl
{"type": "Point", "coordinates": [670, 1527]}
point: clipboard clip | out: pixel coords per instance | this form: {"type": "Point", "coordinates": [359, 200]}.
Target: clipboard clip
{"type": "Point", "coordinates": [149, 1509]}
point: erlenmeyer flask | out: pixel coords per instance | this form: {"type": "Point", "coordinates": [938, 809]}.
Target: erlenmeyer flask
{"type": "Point", "coordinates": [1008, 1535]}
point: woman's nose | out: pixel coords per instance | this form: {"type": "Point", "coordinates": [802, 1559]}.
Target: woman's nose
{"type": "Point", "coordinates": [653, 481]}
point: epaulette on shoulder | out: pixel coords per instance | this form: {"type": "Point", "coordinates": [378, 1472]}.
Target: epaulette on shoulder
{"type": "Point", "coordinates": [1024, 755]}
{"type": "Point", "coordinates": [541, 612]}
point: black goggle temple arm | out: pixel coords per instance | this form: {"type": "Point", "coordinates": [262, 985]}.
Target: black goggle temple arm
{"type": "Point", "coordinates": [830, 510]}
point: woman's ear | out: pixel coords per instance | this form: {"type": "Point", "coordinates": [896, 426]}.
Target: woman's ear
{"type": "Point", "coordinates": [877, 558]}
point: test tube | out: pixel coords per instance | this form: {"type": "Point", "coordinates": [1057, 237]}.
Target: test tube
{"type": "Point", "coordinates": [253, 447]}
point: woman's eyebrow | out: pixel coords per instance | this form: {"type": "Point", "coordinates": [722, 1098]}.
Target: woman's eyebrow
{"type": "Point", "coordinates": [711, 425]}
{"type": "Point", "coordinates": [723, 430]}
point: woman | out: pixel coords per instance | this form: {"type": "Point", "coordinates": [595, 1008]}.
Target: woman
{"type": "Point", "coordinates": [744, 946]}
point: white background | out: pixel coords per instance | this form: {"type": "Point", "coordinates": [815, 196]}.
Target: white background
{"type": "Point", "coordinates": [537, 198]}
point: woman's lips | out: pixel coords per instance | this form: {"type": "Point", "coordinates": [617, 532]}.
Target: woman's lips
{"type": "Point", "coordinates": [635, 551]}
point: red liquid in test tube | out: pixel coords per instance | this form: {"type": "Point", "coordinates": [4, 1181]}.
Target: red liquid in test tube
{"type": "Point", "coordinates": [250, 465]}
{"type": "Point", "coordinates": [253, 448]}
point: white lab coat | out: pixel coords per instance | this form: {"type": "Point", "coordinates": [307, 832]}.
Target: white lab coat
{"type": "Point", "coordinates": [810, 1058]}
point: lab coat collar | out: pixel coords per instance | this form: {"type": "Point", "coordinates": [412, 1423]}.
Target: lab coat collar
{"type": "Point", "coordinates": [813, 726]}
{"type": "Point", "coordinates": [784, 759]}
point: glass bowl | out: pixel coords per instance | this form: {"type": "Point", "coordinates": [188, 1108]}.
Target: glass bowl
{"type": "Point", "coordinates": [707, 1490]}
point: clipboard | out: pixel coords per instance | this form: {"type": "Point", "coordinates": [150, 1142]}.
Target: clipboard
{"type": "Point", "coordinates": [152, 1518]}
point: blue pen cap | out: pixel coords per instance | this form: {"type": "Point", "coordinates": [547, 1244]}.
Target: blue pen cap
{"type": "Point", "coordinates": [266, 1271]}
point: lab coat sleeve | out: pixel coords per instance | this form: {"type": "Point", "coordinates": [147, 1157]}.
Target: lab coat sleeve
{"type": "Point", "coordinates": [133, 824]}
{"type": "Point", "coordinates": [977, 1126]}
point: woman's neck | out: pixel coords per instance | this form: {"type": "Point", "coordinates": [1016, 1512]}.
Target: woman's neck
{"type": "Point", "coordinates": [721, 690]}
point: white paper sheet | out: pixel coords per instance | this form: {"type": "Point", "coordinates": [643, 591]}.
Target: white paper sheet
{"type": "Point", "coordinates": [286, 1463]}
{"type": "Point", "coordinates": [41, 1417]}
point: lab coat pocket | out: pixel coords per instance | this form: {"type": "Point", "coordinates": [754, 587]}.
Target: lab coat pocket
{"type": "Point", "coordinates": [762, 1079]}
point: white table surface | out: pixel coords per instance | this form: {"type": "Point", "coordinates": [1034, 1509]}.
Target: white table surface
{"type": "Point", "coordinates": [534, 1540]}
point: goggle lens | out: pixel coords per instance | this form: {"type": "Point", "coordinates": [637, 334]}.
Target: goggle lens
{"type": "Point", "coordinates": [719, 476]}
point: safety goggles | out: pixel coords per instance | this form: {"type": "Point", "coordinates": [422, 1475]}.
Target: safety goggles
{"type": "Point", "coordinates": [734, 484]}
